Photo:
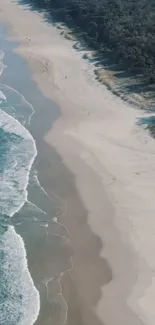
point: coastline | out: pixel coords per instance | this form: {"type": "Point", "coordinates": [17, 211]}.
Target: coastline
{"type": "Point", "coordinates": [47, 164]}
{"type": "Point", "coordinates": [92, 142]}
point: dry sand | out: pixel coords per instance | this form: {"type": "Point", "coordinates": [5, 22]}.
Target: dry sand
{"type": "Point", "coordinates": [113, 160]}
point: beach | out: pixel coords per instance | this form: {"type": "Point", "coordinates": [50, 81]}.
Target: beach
{"type": "Point", "coordinates": [92, 261]}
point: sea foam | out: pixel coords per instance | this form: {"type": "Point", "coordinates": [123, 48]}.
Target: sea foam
{"type": "Point", "coordinates": [19, 299]}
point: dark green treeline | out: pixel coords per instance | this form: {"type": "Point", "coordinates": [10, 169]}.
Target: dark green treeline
{"type": "Point", "coordinates": [125, 27]}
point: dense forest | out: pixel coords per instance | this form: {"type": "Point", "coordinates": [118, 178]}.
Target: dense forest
{"type": "Point", "coordinates": [125, 27]}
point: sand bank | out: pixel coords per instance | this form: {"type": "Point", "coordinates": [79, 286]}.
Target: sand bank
{"type": "Point", "coordinates": [112, 159]}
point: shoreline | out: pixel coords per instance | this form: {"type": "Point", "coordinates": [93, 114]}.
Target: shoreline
{"type": "Point", "coordinates": [11, 241]}
{"type": "Point", "coordinates": [92, 143]}
{"type": "Point", "coordinates": [67, 282]}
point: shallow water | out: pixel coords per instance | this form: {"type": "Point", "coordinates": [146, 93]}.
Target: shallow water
{"type": "Point", "coordinates": [28, 218]}
{"type": "Point", "coordinates": [17, 153]}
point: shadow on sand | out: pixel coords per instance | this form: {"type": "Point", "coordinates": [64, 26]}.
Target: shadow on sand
{"type": "Point", "coordinates": [48, 256]}
{"type": "Point", "coordinates": [116, 77]}
{"type": "Point", "coordinates": [122, 82]}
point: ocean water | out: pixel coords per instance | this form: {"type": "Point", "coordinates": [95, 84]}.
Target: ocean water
{"type": "Point", "coordinates": [19, 299]}
{"type": "Point", "coordinates": [33, 250]}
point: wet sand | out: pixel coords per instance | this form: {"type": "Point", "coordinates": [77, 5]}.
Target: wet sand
{"type": "Point", "coordinates": [99, 164]}
{"type": "Point", "coordinates": [64, 259]}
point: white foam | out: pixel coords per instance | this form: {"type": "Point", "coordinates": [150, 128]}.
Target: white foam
{"type": "Point", "coordinates": [2, 96]}
{"type": "Point", "coordinates": [23, 99]}
{"type": "Point", "coordinates": [21, 304]}
{"type": "Point", "coordinates": [20, 157]}
{"type": "Point", "coordinates": [2, 66]}
{"type": "Point", "coordinates": [14, 175]}
{"type": "Point", "coordinates": [1, 54]}
{"type": "Point", "coordinates": [14, 180]}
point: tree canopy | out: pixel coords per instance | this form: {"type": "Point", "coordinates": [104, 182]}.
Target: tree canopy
{"type": "Point", "coordinates": [125, 27]}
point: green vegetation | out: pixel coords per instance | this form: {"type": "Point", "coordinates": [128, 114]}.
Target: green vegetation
{"type": "Point", "coordinates": [125, 27]}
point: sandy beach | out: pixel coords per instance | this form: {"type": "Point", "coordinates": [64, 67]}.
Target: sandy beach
{"type": "Point", "coordinates": [111, 160]}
